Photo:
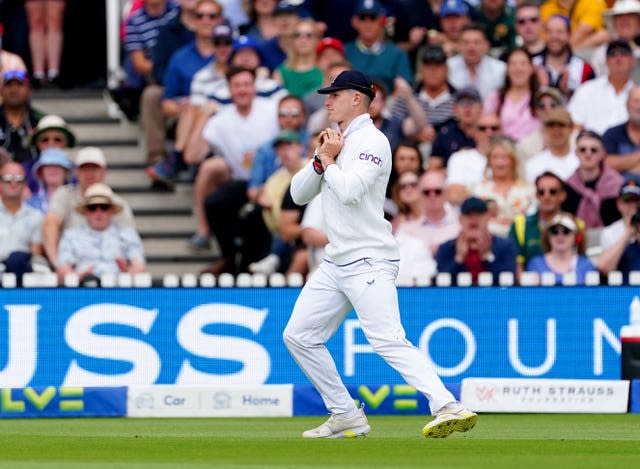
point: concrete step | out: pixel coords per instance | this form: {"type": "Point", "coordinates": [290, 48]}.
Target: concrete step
{"type": "Point", "coordinates": [156, 226]}
{"type": "Point", "coordinates": [175, 247]}
{"type": "Point", "coordinates": [73, 108]}
{"type": "Point", "coordinates": [129, 178]}
{"type": "Point", "coordinates": [177, 202]}
{"type": "Point", "coordinates": [125, 156]}
{"type": "Point", "coordinates": [111, 131]}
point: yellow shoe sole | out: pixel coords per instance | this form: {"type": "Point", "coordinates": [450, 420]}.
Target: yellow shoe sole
{"type": "Point", "coordinates": [447, 427]}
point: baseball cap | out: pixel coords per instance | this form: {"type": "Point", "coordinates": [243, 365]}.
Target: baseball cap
{"type": "Point", "coordinates": [291, 7]}
{"type": "Point", "coordinates": [351, 80]}
{"type": "Point", "coordinates": [468, 92]}
{"type": "Point", "coordinates": [52, 157]}
{"type": "Point", "coordinates": [473, 205]}
{"type": "Point", "coordinates": [369, 7]}
{"type": "Point", "coordinates": [554, 93]}
{"type": "Point", "coordinates": [287, 136]}
{"type": "Point", "coordinates": [559, 115]}
{"type": "Point", "coordinates": [619, 44]}
{"type": "Point", "coordinates": [332, 42]}
{"type": "Point", "coordinates": [91, 155]}
{"type": "Point", "coordinates": [19, 75]}
{"type": "Point", "coordinates": [454, 7]}
{"type": "Point", "coordinates": [434, 54]}
{"type": "Point", "coordinates": [563, 220]}
{"type": "Point", "coordinates": [222, 31]}
{"type": "Point", "coordinates": [630, 191]}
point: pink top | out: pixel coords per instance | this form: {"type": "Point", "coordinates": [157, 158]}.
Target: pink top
{"type": "Point", "coordinates": [515, 117]}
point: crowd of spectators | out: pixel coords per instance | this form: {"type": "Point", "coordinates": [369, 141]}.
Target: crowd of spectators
{"type": "Point", "coordinates": [514, 127]}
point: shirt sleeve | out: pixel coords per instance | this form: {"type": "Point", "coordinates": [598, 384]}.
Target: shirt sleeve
{"type": "Point", "coordinates": [306, 184]}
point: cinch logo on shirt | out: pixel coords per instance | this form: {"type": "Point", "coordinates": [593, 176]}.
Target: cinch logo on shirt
{"type": "Point", "coordinates": [369, 157]}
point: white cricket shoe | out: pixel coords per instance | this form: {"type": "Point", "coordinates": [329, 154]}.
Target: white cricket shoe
{"type": "Point", "coordinates": [340, 427]}
{"type": "Point", "coordinates": [267, 265]}
{"type": "Point", "coordinates": [452, 417]}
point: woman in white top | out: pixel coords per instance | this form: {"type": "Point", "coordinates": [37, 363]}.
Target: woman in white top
{"type": "Point", "coordinates": [503, 188]}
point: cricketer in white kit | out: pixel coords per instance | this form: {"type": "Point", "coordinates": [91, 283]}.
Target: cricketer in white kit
{"type": "Point", "coordinates": [350, 171]}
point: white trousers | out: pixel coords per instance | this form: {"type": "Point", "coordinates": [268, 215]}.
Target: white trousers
{"type": "Point", "coordinates": [368, 286]}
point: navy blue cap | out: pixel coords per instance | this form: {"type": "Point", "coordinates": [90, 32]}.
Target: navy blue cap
{"type": "Point", "coordinates": [454, 7]}
{"type": "Point", "coordinates": [468, 92]}
{"type": "Point", "coordinates": [369, 7]}
{"type": "Point", "coordinates": [473, 205]}
{"type": "Point", "coordinates": [351, 80]}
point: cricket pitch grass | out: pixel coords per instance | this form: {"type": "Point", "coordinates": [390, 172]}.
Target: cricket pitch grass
{"type": "Point", "coordinates": [545, 441]}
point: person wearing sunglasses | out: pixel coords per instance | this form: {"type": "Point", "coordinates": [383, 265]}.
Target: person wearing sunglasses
{"type": "Point", "coordinates": [20, 224]}
{"type": "Point", "coordinates": [475, 249]}
{"type": "Point", "coordinates": [563, 246]}
{"type": "Point", "coordinates": [593, 188]}
{"type": "Point", "coordinates": [99, 246]}
{"type": "Point", "coordinates": [627, 205]}
{"type": "Point", "coordinates": [17, 117]}
{"type": "Point", "coordinates": [526, 230]}
{"type": "Point", "coordinates": [622, 142]}
{"type": "Point", "coordinates": [528, 26]}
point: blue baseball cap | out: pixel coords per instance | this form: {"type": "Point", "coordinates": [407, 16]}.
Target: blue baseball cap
{"type": "Point", "coordinates": [454, 7]}
{"type": "Point", "coordinates": [473, 205]}
{"type": "Point", "coordinates": [369, 7]}
{"type": "Point", "coordinates": [351, 80]}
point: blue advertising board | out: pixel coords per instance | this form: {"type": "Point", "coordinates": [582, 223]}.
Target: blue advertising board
{"type": "Point", "coordinates": [121, 337]}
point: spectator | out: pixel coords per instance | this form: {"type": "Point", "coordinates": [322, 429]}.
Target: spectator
{"type": "Point", "coordinates": [426, 108]}
{"type": "Point", "coordinates": [528, 26]}
{"type": "Point", "coordinates": [99, 246]}
{"type": "Point", "coordinates": [20, 232]}
{"type": "Point", "coordinates": [406, 157]}
{"type": "Point", "coordinates": [171, 37]}
{"type": "Point", "coordinates": [593, 188]}
{"type": "Point", "coordinates": [416, 22]}
{"type": "Point", "coordinates": [407, 198]}
{"type": "Point", "coordinates": [505, 192]}
{"type": "Point", "coordinates": [558, 156]}
{"type": "Point", "coordinates": [274, 51]}
{"type": "Point", "coordinates": [265, 227]}
{"type": "Point", "coordinates": [91, 167]}
{"type": "Point", "coordinates": [498, 21]}
{"type": "Point", "coordinates": [234, 13]}
{"type": "Point", "coordinates": [586, 17]}
{"type": "Point", "coordinates": [513, 102]}
{"type": "Point", "coordinates": [457, 133]}
{"type": "Point", "coordinates": [370, 53]}
{"type": "Point", "coordinates": [563, 244]}
{"type": "Point", "coordinates": [329, 53]}
{"type": "Point", "coordinates": [623, 21]}
{"type": "Point", "coordinates": [627, 205]}
{"type": "Point", "coordinates": [473, 67]}
{"type": "Point", "coordinates": [561, 68]}
{"type": "Point", "coordinates": [454, 15]}
{"type": "Point", "coordinates": [299, 74]}
{"type": "Point", "coordinates": [622, 142]}
{"type": "Point", "coordinates": [476, 250]}
{"type": "Point", "coordinates": [545, 99]}
{"type": "Point", "coordinates": [237, 131]}
{"type": "Point", "coordinates": [440, 223]}
{"type": "Point", "coordinates": [390, 126]}
{"type": "Point", "coordinates": [45, 39]}
{"type": "Point", "coordinates": [262, 25]}
{"type": "Point", "coordinates": [17, 117]}
{"type": "Point", "coordinates": [526, 231]}
{"type": "Point", "coordinates": [466, 167]}
{"type": "Point", "coordinates": [9, 60]}
{"type": "Point", "coordinates": [624, 254]}
{"type": "Point", "coordinates": [141, 32]}
{"type": "Point", "coordinates": [52, 171]}
{"type": "Point", "coordinates": [600, 103]}
{"type": "Point", "coordinates": [319, 120]}
{"type": "Point", "coordinates": [51, 132]}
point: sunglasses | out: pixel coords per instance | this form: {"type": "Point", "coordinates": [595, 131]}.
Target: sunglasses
{"type": "Point", "coordinates": [222, 41]}
{"type": "Point", "coordinates": [298, 35]}
{"type": "Point", "coordinates": [17, 178]}
{"type": "Point", "coordinates": [484, 128]}
{"type": "Point", "coordinates": [406, 185]}
{"type": "Point", "coordinates": [630, 198]}
{"type": "Point", "coordinates": [531, 19]}
{"type": "Point", "coordinates": [548, 105]}
{"type": "Point", "coordinates": [556, 124]}
{"type": "Point", "coordinates": [552, 191]}
{"type": "Point", "coordinates": [428, 192]}
{"type": "Point", "coordinates": [289, 112]}
{"type": "Point", "coordinates": [101, 207]}
{"type": "Point", "coordinates": [592, 150]}
{"type": "Point", "coordinates": [557, 229]}
{"type": "Point", "coordinates": [211, 16]}
{"type": "Point", "coordinates": [367, 17]}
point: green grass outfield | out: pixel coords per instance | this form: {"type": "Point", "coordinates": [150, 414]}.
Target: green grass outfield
{"type": "Point", "coordinates": [498, 441]}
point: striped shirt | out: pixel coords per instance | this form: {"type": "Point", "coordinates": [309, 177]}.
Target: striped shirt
{"type": "Point", "coordinates": [438, 110]}
{"type": "Point", "coordinates": [141, 31]}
